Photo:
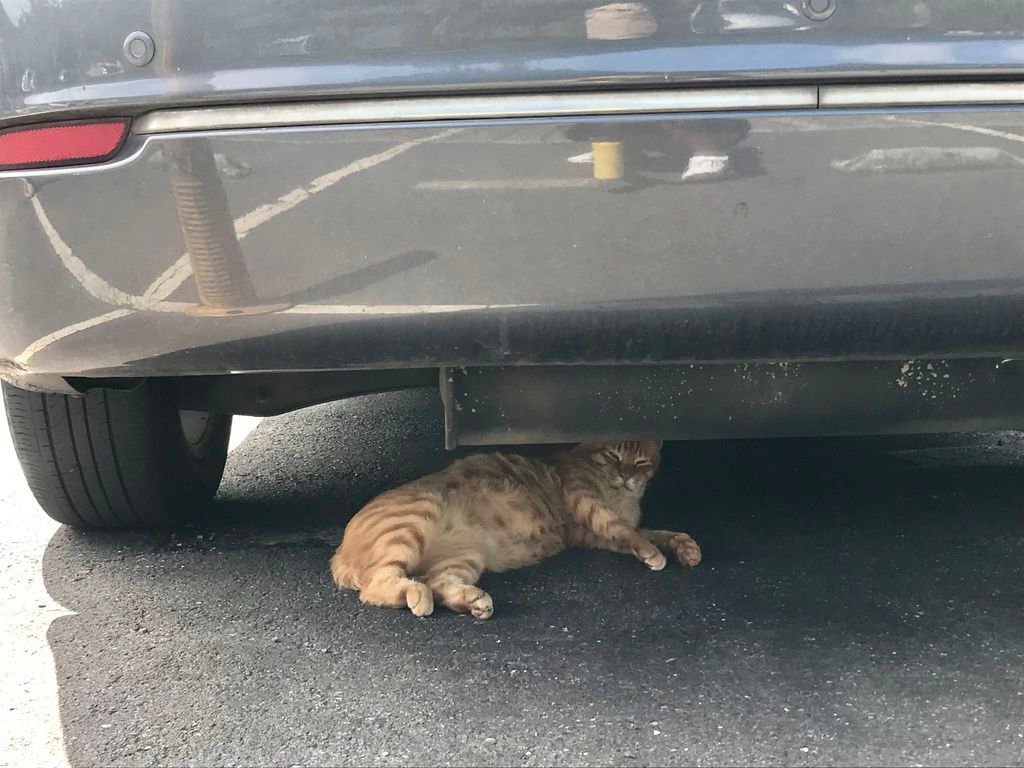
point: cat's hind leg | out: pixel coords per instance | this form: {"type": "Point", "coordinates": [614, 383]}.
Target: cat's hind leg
{"type": "Point", "coordinates": [382, 545]}
{"type": "Point", "coordinates": [453, 579]}
{"type": "Point", "coordinates": [389, 586]}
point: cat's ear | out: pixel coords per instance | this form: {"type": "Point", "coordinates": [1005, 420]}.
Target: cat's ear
{"type": "Point", "coordinates": [659, 444]}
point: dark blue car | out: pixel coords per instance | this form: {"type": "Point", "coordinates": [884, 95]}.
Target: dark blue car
{"type": "Point", "coordinates": [575, 220]}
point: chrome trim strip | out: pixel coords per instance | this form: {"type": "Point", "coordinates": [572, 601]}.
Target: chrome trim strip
{"type": "Point", "coordinates": [922, 95]}
{"type": "Point", "coordinates": [475, 108]}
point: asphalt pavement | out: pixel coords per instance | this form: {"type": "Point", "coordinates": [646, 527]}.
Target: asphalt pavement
{"type": "Point", "coordinates": [859, 603]}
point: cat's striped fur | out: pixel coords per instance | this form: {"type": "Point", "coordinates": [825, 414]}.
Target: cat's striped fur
{"type": "Point", "coordinates": [433, 537]}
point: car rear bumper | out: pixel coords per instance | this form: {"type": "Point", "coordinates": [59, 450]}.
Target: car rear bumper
{"type": "Point", "coordinates": [772, 234]}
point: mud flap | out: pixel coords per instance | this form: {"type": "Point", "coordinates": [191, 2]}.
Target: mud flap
{"type": "Point", "coordinates": [556, 404]}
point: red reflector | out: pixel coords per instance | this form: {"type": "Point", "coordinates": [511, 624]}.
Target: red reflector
{"type": "Point", "coordinates": [62, 144]}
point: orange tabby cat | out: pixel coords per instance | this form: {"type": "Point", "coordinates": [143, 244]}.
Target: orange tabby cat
{"type": "Point", "coordinates": [493, 512]}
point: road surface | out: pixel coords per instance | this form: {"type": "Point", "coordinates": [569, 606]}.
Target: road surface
{"type": "Point", "coordinates": [859, 603]}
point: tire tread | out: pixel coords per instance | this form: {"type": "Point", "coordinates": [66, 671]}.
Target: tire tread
{"type": "Point", "coordinates": [110, 459]}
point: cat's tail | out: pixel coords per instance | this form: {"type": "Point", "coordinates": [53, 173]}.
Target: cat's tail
{"type": "Point", "coordinates": [390, 534]}
{"type": "Point", "coordinates": [343, 572]}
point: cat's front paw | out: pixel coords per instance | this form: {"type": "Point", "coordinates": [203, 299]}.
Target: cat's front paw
{"type": "Point", "coordinates": [652, 558]}
{"type": "Point", "coordinates": [471, 600]}
{"type": "Point", "coordinates": [482, 607]}
{"type": "Point", "coordinates": [686, 550]}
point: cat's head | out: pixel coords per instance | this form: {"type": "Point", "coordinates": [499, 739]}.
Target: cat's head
{"type": "Point", "coordinates": [629, 464]}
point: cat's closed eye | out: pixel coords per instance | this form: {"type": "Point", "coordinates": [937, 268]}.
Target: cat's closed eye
{"type": "Point", "coordinates": [642, 463]}
{"type": "Point", "coordinates": [614, 456]}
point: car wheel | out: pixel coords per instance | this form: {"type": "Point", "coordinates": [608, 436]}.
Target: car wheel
{"type": "Point", "coordinates": [117, 459]}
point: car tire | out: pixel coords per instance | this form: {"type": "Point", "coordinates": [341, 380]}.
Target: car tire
{"type": "Point", "coordinates": [115, 458]}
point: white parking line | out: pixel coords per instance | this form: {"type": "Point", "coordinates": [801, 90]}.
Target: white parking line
{"type": "Point", "coordinates": [241, 428]}
{"type": "Point", "coordinates": [93, 283]}
{"type": "Point", "coordinates": [385, 310]}
{"type": "Point", "coordinates": [963, 127]}
{"type": "Point", "coordinates": [43, 342]}
{"type": "Point", "coordinates": [30, 728]}
{"type": "Point", "coordinates": [458, 185]}
{"type": "Point", "coordinates": [179, 272]}
{"type": "Point", "coordinates": [174, 276]}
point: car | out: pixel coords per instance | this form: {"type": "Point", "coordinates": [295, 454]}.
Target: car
{"type": "Point", "coordinates": [575, 220]}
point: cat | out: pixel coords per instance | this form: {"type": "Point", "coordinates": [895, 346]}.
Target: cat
{"type": "Point", "coordinates": [433, 537]}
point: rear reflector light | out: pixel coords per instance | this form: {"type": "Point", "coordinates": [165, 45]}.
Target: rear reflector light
{"type": "Point", "coordinates": [61, 144]}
